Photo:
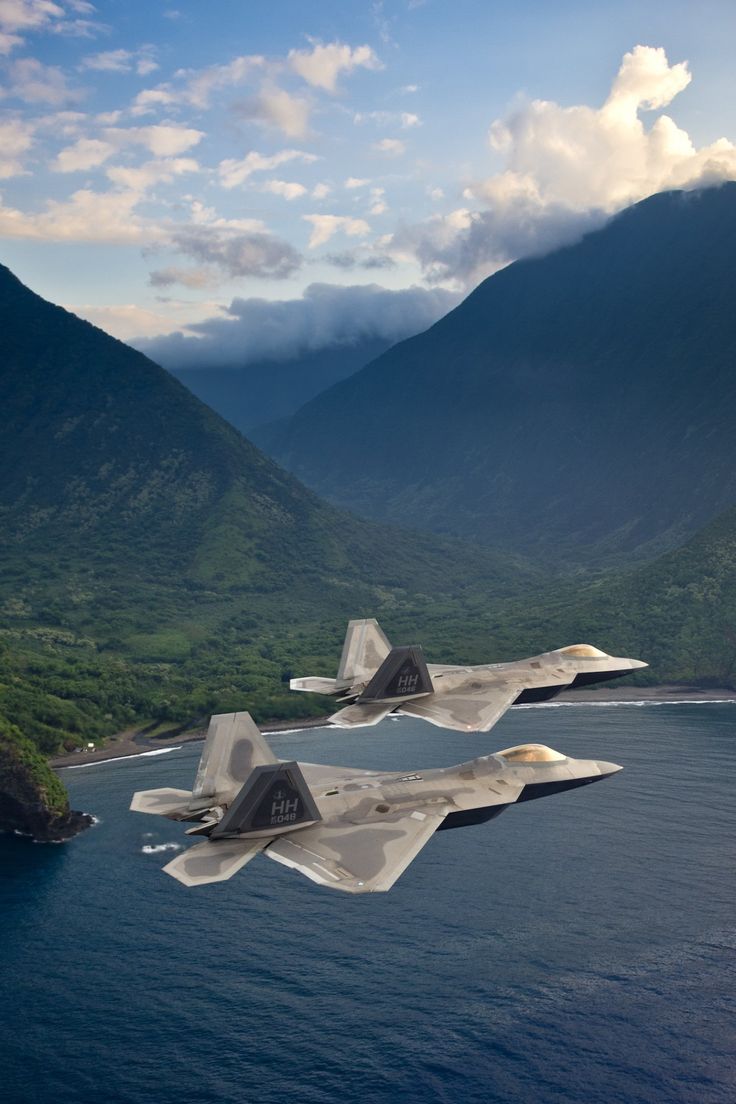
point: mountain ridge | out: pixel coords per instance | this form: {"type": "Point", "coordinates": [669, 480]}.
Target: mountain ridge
{"type": "Point", "coordinates": [570, 408]}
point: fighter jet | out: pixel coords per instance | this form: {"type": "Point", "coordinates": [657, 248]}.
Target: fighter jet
{"type": "Point", "coordinates": [377, 679]}
{"type": "Point", "coordinates": [351, 830]}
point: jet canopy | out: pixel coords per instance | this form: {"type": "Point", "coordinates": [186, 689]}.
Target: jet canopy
{"type": "Point", "coordinates": [531, 753]}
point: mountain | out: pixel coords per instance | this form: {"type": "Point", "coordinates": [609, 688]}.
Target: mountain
{"type": "Point", "coordinates": [578, 407]}
{"type": "Point", "coordinates": [156, 565]}
{"type": "Point", "coordinates": [267, 390]}
{"type": "Point", "coordinates": [678, 612]}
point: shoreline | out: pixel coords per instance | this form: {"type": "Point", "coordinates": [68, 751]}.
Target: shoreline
{"type": "Point", "coordinates": [130, 743]}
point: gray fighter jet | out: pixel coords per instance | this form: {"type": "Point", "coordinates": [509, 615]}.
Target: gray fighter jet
{"type": "Point", "coordinates": [377, 679]}
{"type": "Point", "coordinates": [353, 830]}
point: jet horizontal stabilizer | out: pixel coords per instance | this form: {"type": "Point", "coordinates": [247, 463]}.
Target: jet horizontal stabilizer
{"type": "Point", "coordinates": [315, 685]}
{"type": "Point", "coordinates": [165, 802]}
{"type": "Point", "coordinates": [213, 861]}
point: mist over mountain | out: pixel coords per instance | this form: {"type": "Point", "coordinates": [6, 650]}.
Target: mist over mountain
{"type": "Point", "coordinates": [266, 390]}
{"type": "Point", "coordinates": [579, 407]}
{"type": "Point", "coordinates": [262, 359]}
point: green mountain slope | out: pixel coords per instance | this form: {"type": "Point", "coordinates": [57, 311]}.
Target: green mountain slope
{"type": "Point", "coordinates": [156, 566]}
{"type": "Point", "coordinates": [580, 406]}
{"type": "Point", "coordinates": [678, 612]}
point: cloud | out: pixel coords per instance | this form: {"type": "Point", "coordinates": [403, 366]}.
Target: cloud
{"type": "Point", "coordinates": [196, 87]}
{"type": "Point", "coordinates": [322, 65]}
{"type": "Point", "coordinates": [33, 82]}
{"type": "Point", "coordinates": [194, 278]}
{"type": "Point", "coordinates": [28, 15]}
{"type": "Point", "coordinates": [353, 258]}
{"type": "Point", "coordinates": [8, 42]}
{"type": "Point", "coordinates": [121, 61]}
{"type": "Point", "coordinates": [236, 252]}
{"type": "Point", "coordinates": [567, 169]}
{"type": "Point", "coordinates": [16, 138]}
{"type": "Point", "coordinates": [142, 177]}
{"type": "Point", "coordinates": [321, 190]}
{"type": "Point", "coordinates": [605, 157]}
{"type": "Point", "coordinates": [325, 316]}
{"type": "Point", "coordinates": [403, 119]}
{"type": "Point", "coordinates": [161, 141]}
{"type": "Point", "coordinates": [325, 226]}
{"type": "Point", "coordinates": [84, 154]}
{"type": "Point", "coordinates": [31, 16]}
{"type": "Point", "coordinates": [289, 189]}
{"type": "Point", "coordinates": [109, 61]}
{"type": "Point", "coordinates": [465, 246]}
{"type": "Point", "coordinates": [277, 108]}
{"type": "Point", "coordinates": [394, 147]}
{"type": "Point", "coordinates": [87, 216]}
{"type": "Point", "coordinates": [127, 320]}
{"type": "Point", "coordinates": [233, 173]}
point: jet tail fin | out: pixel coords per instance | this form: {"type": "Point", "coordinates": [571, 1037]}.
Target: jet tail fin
{"type": "Point", "coordinates": [274, 798]}
{"type": "Point", "coordinates": [363, 652]}
{"type": "Point", "coordinates": [403, 674]}
{"type": "Point", "coordinates": [233, 748]}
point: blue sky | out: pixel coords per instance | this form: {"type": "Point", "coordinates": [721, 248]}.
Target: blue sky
{"type": "Point", "coordinates": [161, 163]}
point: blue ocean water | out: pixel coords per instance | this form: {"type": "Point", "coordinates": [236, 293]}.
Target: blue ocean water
{"type": "Point", "coordinates": [580, 949]}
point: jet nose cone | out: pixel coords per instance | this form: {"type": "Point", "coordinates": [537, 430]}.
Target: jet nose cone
{"type": "Point", "coordinates": [637, 663]}
{"type": "Point", "coordinates": [607, 768]}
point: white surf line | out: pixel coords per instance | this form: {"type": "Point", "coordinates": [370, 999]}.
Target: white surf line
{"type": "Point", "coordinates": [120, 758]}
{"type": "Point", "coordinates": [638, 702]}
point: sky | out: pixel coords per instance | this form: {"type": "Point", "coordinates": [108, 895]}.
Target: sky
{"type": "Point", "coordinates": [230, 180]}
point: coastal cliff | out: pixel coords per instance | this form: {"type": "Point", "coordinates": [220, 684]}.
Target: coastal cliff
{"type": "Point", "coordinates": [33, 801]}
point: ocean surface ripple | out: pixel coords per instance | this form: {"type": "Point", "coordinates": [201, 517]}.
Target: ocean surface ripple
{"type": "Point", "coordinates": [578, 950]}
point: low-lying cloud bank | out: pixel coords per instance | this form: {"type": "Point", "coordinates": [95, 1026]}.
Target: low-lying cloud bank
{"type": "Point", "coordinates": [325, 316]}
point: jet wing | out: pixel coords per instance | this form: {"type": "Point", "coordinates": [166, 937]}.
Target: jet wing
{"type": "Point", "coordinates": [473, 707]}
{"type": "Point", "coordinates": [317, 774]}
{"type": "Point", "coordinates": [358, 858]}
{"type": "Point", "coordinates": [214, 860]}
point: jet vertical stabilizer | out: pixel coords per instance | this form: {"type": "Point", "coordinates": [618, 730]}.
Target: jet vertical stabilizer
{"type": "Point", "coordinates": [233, 748]}
{"type": "Point", "coordinates": [363, 652]}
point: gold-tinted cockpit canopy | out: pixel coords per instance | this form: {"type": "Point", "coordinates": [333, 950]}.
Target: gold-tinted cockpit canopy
{"type": "Point", "coordinates": [531, 753]}
{"type": "Point", "coordinates": [584, 651]}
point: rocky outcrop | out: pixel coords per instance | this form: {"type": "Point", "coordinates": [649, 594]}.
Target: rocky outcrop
{"type": "Point", "coordinates": [33, 802]}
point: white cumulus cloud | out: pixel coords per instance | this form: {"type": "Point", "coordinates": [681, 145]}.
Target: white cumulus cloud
{"type": "Point", "coordinates": [566, 169]}
{"type": "Point", "coordinates": [233, 172]}
{"type": "Point", "coordinates": [275, 107]}
{"type": "Point", "coordinates": [28, 79]}
{"type": "Point", "coordinates": [326, 226]}
{"type": "Point", "coordinates": [323, 64]}
{"type": "Point", "coordinates": [288, 189]}
{"type": "Point", "coordinates": [84, 154]}
{"type": "Point", "coordinates": [16, 138]}
{"type": "Point", "coordinates": [394, 147]}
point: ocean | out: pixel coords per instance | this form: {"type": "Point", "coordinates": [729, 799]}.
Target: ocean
{"type": "Point", "coordinates": [579, 949]}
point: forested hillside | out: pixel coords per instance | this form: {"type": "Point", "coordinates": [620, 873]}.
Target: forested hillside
{"type": "Point", "coordinates": [156, 565]}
